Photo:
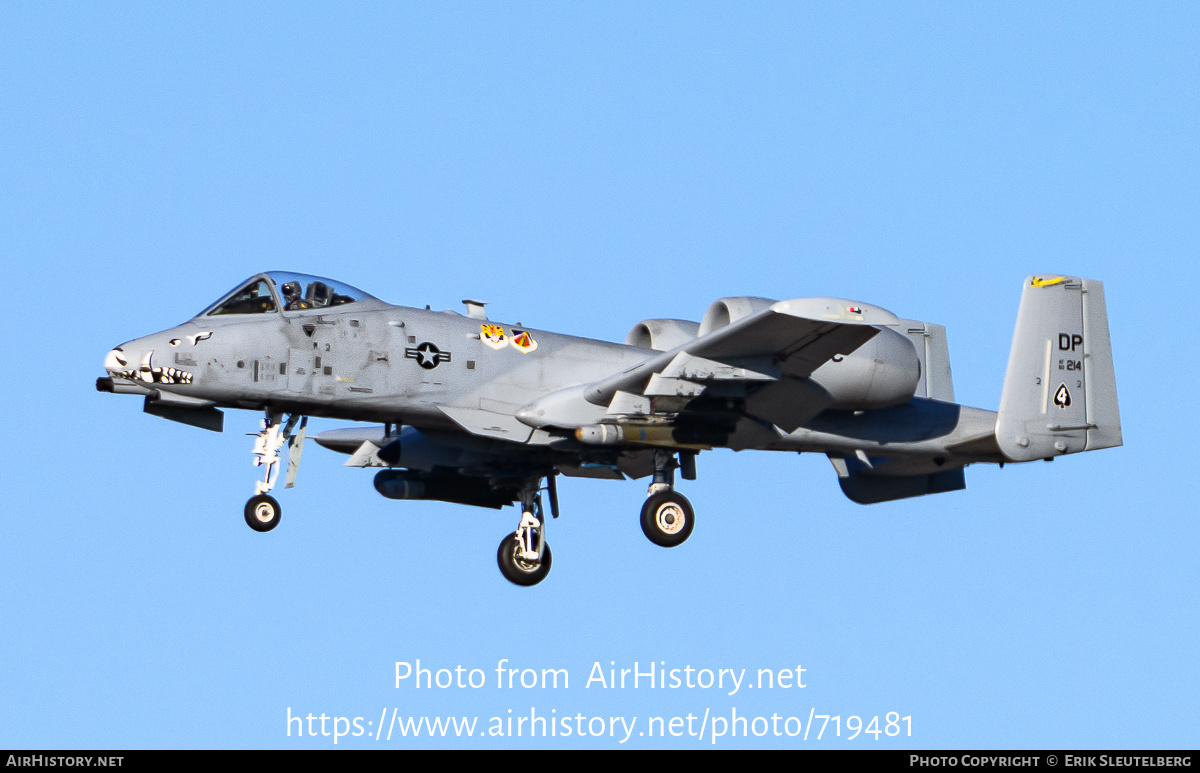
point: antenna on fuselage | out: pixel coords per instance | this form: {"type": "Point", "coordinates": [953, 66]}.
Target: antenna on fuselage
{"type": "Point", "coordinates": [475, 309]}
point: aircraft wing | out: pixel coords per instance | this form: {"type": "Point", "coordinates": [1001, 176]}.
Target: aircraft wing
{"type": "Point", "coordinates": [766, 356]}
{"type": "Point", "coordinates": [790, 338]}
{"type": "Point", "coordinates": [771, 351]}
{"type": "Point", "coordinates": [802, 334]}
{"type": "Point", "coordinates": [488, 423]}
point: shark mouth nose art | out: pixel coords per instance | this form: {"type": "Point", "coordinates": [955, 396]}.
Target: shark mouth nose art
{"type": "Point", "coordinates": [115, 360]}
{"type": "Point", "coordinates": [146, 371]}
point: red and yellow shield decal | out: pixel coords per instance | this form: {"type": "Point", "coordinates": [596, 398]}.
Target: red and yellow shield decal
{"type": "Point", "coordinates": [522, 341]}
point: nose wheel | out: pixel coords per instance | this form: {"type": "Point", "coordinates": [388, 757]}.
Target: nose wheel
{"type": "Point", "coordinates": [263, 512]}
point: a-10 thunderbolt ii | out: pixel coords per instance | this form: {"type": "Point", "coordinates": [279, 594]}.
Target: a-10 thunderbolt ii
{"type": "Point", "coordinates": [484, 413]}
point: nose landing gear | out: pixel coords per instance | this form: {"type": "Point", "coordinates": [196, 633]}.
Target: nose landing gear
{"type": "Point", "coordinates": [263, 511]}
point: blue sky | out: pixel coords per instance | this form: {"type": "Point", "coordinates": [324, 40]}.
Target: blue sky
{"type": "Point", "coordinates": [583, 166]}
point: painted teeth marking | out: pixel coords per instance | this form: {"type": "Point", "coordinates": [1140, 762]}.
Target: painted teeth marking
{"type": "Point", "coordinates": [152, 375]}
{"type": "Point", "coordinates": [146, 372]}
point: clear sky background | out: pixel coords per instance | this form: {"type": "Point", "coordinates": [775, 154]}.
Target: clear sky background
{"type": "Point", "coordinates": [583, 166]}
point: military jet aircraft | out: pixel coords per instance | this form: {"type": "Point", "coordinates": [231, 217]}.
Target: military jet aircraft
{"type": "Point", "coordinates": [484, 413]}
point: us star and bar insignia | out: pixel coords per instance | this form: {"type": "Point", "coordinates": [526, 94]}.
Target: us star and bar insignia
{"type": "Point", "coordinates": [427, 355]}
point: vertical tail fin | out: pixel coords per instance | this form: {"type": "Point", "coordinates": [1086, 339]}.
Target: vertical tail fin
{"type": "Point", "coordinates": [933, 352]}
{"type": "Point", "coordinates": [1060, 390]}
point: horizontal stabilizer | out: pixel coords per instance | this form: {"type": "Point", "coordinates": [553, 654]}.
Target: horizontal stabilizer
{"type": "Point", "coordinates": [866, 489]}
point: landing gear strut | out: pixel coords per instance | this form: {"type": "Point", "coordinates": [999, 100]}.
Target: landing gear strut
{"type": "Point", "coordinates": [524, 556]}
{"type": "Point", "coordinates": [667, 516]}
{"type": "Point", "coordinates": [262, 511]}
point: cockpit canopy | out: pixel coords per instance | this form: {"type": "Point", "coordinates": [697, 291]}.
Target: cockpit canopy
{"type": "Point", "coordinates": [268, 293]}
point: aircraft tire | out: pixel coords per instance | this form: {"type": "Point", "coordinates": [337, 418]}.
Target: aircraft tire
{"type": "Point", "coordinates": [518, 571]}
{"type": "Point", "coordinates": [667, 518]}
{"type": "Point", "coordinates": [263, 512]}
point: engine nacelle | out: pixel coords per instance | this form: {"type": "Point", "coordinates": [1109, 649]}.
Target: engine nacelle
{"type": "Point", "coordinates": [884, 371]}
{"type": "Point", "coordinates": [662, 334]}
{"type": "Point", "coordinates": [728, 310]}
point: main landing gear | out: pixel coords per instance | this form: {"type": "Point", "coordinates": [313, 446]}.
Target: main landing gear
{"type": "Point", "coordinates": [262, 511]}
{"type": "Point", "coordinates": [667, 519]}
{"type": "Point", "coordinates": [523, 556]}
{"type": "Point", "coordinates": [667, 516]}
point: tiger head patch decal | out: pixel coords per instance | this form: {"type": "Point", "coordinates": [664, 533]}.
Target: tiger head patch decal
{"type": "Point", "coordinates": [493, 336]}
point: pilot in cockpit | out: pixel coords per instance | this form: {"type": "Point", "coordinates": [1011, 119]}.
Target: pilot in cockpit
{"type": "Point", "coordinates": [292, 299]}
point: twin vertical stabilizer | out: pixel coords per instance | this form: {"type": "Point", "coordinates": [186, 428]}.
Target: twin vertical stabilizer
{"type": "Point", "coordinates": [1060, 390]}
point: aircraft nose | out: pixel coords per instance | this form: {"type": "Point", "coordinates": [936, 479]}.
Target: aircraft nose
{"type": "Point", "coordinates": [116, 360]}
{"type": "Point", "coordinates": [143, 360]}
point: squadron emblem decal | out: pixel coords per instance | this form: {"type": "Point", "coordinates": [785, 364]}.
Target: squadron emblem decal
{"type": "Point", "coordinates": [493, 336]}
{"type": "Point", "coordinates": [427, 355]}
{"type": "Point", "coordinates": [1062, 398]}
{"type": "Point", "coordinates": [522, 341]}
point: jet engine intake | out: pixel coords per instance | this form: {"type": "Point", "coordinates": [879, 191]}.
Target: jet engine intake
{"type": "Point", "coordinates": [662, 334]}
{"type": "Point", "coordinates": [726, 311]}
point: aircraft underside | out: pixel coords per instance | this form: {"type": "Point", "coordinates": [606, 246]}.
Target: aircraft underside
{"type": "Point", "coordinates": [923, 454]}
{"type": "Point", "coordinates": [481, 474]}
